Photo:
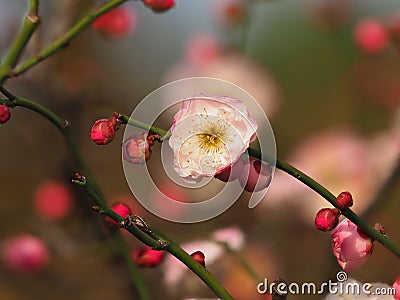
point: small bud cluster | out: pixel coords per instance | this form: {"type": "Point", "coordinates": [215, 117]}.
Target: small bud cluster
{"type": "Point", "coordinates": [328, 218]}
{"type": "Point", "coordinates": [350, 245]}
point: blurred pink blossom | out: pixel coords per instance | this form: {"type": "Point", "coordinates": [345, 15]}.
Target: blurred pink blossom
{"type": "Point", "coordinates": [206, 61]}
{"type": "Point", "coordinates": [340, 159]}
{"type": "Point", "coordinates": [232, 236]}
{"type": "Point", "coordinates": [370, 35]}
{"type": "Point", "coordinates": [53, 200]}
{"type": "Point", "coordinates": [24, 253]}
{"type": "Point", "coordinates": [174, 270]}
{"type": "Point", "coordinates": [202, 49]}
{"type": "Point", "coordinates": [118, 22]}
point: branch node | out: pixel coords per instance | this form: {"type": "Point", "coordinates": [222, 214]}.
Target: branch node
{"type": "Point", "coordinates": [34, 19]}
{"type": "Point", "coordinates": [79, 179]}
{"type": "Point", "coordinates": [96, 208]}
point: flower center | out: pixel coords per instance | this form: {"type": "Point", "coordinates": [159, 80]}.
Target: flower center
{"type": "Point", "coordinates": [210, 142]}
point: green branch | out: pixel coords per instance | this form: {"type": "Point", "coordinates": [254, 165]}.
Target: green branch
{"type": "Point", "coordinates": [322, 191]}
{"type": "Point", "coordinates": [64, 40]}
{"type": "Point", "coordinates": [311, 183]}
{"type": "Point", "coordinates": [29, 25]}
{"type": "Point", "coordinates": [91, 188]}
{"type": "Point", "coordinates": [141, 288]}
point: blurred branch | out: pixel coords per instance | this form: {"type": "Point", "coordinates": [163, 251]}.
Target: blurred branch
{"type": "Point", "coordinates": [29, 25]}
{"type": "Point", "coordinates": [61, 42]}
{"type": "Point", "coordinates": [91, 188]}
{"type": "Point", "coordinates": [134, 272]}
{"type": "Point", "coordinates": [245, 265]}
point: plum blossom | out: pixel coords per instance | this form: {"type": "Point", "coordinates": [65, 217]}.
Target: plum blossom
{"type": "Point", "coordinates": [350, 247]}
{"type": "Point", "coordinates": [209, 134]}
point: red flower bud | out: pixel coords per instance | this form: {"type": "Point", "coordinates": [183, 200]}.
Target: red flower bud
{"type": "Point", "coordinates": [371, 35]}
{"type": "Point", "coordinates": [116, 23]}
{"type": "Point", "coordinates": [344, 200]}
{"type": "Point", "coordinates": [327, 219]}
{"type": "Point", "coordinates": [256, 175]}
{"type": "Point", "coordinates": [24, 253]}
{"type": "Point", "coordinates": [136, 149]}
{"type": "Point", "coordinates": [199, 257]}
{"type": "Point", "coordinates": [103, 131]}
{"type": "Point", "coordinates": [120, 208]}
{"type": "Point", "coordinates": [53, 200]}
{"type": "Point", "coordinates": [159, 5]}
{"type": "Point", "coordinates": [5, 114]}
{"type": "Point", "coordinates": [147, 257]}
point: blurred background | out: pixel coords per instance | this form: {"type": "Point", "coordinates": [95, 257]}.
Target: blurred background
{"type": "Point", "coordinates": [328, 80]}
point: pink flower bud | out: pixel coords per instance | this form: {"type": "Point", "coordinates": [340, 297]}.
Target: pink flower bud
{"type": "Point", "coordinates": [396, 286]}
{"type": "Point", "coordinates": [370, 35]}
{"type": "Point", "coordinates": [256, 175]}
{"type": "Point", "coordinates": [147, 257]}
{"type": "Point", "coordinates": [344, 200]}
{"type": "Point", "coordinates": [350, 247]}
{"type": "Point", "coordinates": [327, 219]}
{"type": "Point", "coordinates": [120, 208]}
{"type": "Point", "coordinates": [159, 5]}
{"type": "Point", "coordinates": [136, 149]}
{"type": "Point", "coordinates": [231, 172]}
{"type": "Point", "coordinates": [199, 257]}
{"type": "Point", "coordinates": [103, 131]}
{"type": "Point", "coordinates": [53, 200]}
{"type": "Point", "coordinates": [5, 114]}
{"type": "Point", "coordinates": [116, 23]}
{"type": "Point", "coordinates": [24, 253]}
